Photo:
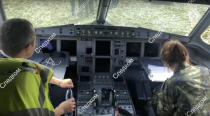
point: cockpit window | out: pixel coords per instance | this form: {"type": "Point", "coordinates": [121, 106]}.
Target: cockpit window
{"type": "Point", "coordinates": [44, 13]}
{"type": "Point", "coordinates": [172, 17]}
{"type": "Point", "coordinates": [206, 36]}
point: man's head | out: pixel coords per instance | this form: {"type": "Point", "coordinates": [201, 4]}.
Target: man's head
{"type": "Point", "coordinates": [17, 38]}
{"type": "Point", "coordinates": [174, 53]}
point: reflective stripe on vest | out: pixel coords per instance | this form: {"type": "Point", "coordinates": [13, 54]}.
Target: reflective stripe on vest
{"type": "Point", "coordinates": [27, 92]}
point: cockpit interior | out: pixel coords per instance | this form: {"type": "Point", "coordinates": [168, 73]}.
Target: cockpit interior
{"type": "Point", "coordinates": [112, 48]}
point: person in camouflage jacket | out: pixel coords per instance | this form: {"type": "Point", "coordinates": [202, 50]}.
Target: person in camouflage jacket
{"type": "Point", "coordinates": [187, 92]}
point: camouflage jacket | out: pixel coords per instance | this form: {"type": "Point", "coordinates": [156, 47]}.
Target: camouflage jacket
{"type": "Point", "coordinates": [186, 93]}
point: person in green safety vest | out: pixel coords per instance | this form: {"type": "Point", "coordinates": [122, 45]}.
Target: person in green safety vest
{"type": "Point", "coordinates": [24, 83]}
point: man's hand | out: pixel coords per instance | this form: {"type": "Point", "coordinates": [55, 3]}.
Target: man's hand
{"type": "Point", "coordinates": [66, 83]}
{"type": "Point", "coordinates": [65, 107]}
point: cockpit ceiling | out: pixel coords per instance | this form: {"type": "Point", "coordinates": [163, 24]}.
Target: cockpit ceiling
{"type": "Point", "coordinates": [171, 17]}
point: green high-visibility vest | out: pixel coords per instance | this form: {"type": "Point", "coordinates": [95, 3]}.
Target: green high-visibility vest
{"type": "Point", "coordinates": [24, 88]}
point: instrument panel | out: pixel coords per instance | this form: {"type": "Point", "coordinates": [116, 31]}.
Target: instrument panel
{"type": "Point", "coordinates": [99, 52]}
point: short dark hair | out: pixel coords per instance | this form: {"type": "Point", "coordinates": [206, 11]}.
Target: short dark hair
{"type": "Point", "coordinates": [15, 35]}
{"type": "Point", "coordinates": [174, 53]}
